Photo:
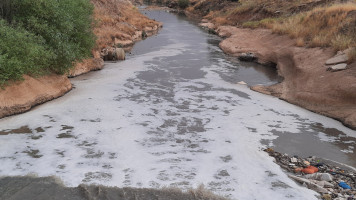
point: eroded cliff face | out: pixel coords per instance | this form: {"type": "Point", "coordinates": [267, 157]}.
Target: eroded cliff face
{"type": "Point", "coordinates": [307, 82]}
{"type": "Point", "coordinates": [120, 25]}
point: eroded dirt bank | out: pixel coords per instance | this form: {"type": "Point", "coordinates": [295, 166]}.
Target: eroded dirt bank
{"type": "Point", "coordinates": [307, 82]}
{"type": "Point", "coordinates": [22, 96]}
{"type": "Point", "coordinates": [120, 25]}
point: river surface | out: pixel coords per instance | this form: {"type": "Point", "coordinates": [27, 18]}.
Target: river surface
{"type": "Point", "coordinates": [172, 114]}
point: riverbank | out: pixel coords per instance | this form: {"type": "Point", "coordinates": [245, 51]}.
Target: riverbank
{"type": "Point", "coordinates": [119, 25]}
{"type": "Point", "coordinates": [21, 96]}
{"type": "Point", "coordinates": [312, 78]}
{"type": "Point", "coordinates": [307, 82]}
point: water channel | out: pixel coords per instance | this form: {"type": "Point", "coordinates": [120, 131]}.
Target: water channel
{"type": "Point", "coordinates": [172, 115]}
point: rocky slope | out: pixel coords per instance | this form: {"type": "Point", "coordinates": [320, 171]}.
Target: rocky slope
{"type": "Point", "coordinates": [120, 25]}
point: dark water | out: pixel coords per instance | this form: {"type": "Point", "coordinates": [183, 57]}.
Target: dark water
{"type": "Point", "coordinates": [172, 115]}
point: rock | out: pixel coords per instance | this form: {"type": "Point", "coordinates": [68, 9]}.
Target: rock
{"type": "Point", "coordinates": [226, 31]}
{"type": "Point", "coordinates": [337, 67]}
{"type": "Point", "coordinates": [242, 83]}
{"type": "Point", "coordinates": [113, 54]}
{"type": "Point", "coordinates": [120, 54]}
{"type": "Point", "coordinates": [248, 57]}
{"type": "Point", "coordinates": [294, 160]}
{"type": "Point", "coordinates": [207, 25]}
{"type": "Point", "coordinates": [339, 58]}
{"type": "Point", "coordinates": [204, 21]}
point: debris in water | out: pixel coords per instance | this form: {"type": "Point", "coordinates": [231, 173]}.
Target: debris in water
{"type": "Point", "coordinates": [331, 182]}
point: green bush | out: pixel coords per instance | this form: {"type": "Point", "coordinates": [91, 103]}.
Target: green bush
{"type": "Point", "coordinates": [183, 3]}
{"type": "Point", "coordinates": [21, 53]}
{"type": "Point", "coordinates": [58, 32]}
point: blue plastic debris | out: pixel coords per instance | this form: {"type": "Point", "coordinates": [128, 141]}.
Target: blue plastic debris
{"type": "Point", "coordinates": [344, 185]}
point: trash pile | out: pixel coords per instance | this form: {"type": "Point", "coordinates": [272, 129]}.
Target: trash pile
{"type": "Point", "coordinates": [331, 182]}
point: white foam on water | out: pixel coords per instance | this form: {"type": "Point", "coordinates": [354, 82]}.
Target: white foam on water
{"type": "Point", "coordinates": [113, 130]}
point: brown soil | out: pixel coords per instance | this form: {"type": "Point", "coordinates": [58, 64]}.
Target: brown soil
{"type": "Point", "coordinates": [22, 96]}
{"type": "Point", "coordinates": [86, 66]}
{"type": "Point", "coordinates": [306, 81]}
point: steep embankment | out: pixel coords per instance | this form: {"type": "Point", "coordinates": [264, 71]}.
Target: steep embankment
{"type": "Point", "coordinates": [119, 24]}
{"type": "Point", "coordinates": [299, 37]}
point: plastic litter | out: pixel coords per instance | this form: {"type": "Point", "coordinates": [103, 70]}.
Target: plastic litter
{"type": "Point", "coordinates": [320, 176]}
{"type": "Point", "coordinates": [310, 170]}
{"type": "Point", "coordinates": [307, 163]}
{"type": "Point", "coordinates": [344, 185]}
{"type": "Point", "coordinates": [294, 160]}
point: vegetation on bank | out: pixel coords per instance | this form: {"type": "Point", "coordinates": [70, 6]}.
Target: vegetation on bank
{"type": "Point", "coordinates": [321, 27]}
{"type": "Point", "coordinates": [43, 36]}
{"type": "Point", "coordinates": [313, 23]}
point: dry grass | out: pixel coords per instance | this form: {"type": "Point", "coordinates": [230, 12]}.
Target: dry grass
{"type": "Point", "coordinates": [352, 55]}
{"type": "Point", "coordinates": [299, 42]}
{"type": "Point", "coordinates": [246, 5]}
{"type": "Point", "coordinates": [313, 23]}
{"type": "Point", "coordinates": [117, 19]}
{"type": "Point", "coordinates": [326, 26]}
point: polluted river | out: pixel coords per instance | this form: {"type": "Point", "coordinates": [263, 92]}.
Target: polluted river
{"type": "Point", "coordinates": [172, 115]}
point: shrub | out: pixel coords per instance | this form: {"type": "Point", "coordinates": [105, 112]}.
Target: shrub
{"type": "Point", "coordinates": [59, 32]}
{"type": "Point", "coordinates": [65, 26]}
{"type": "Point", "coordinates": [183, 4]}
{"type": "Point", "coordinates": [21, 53]}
